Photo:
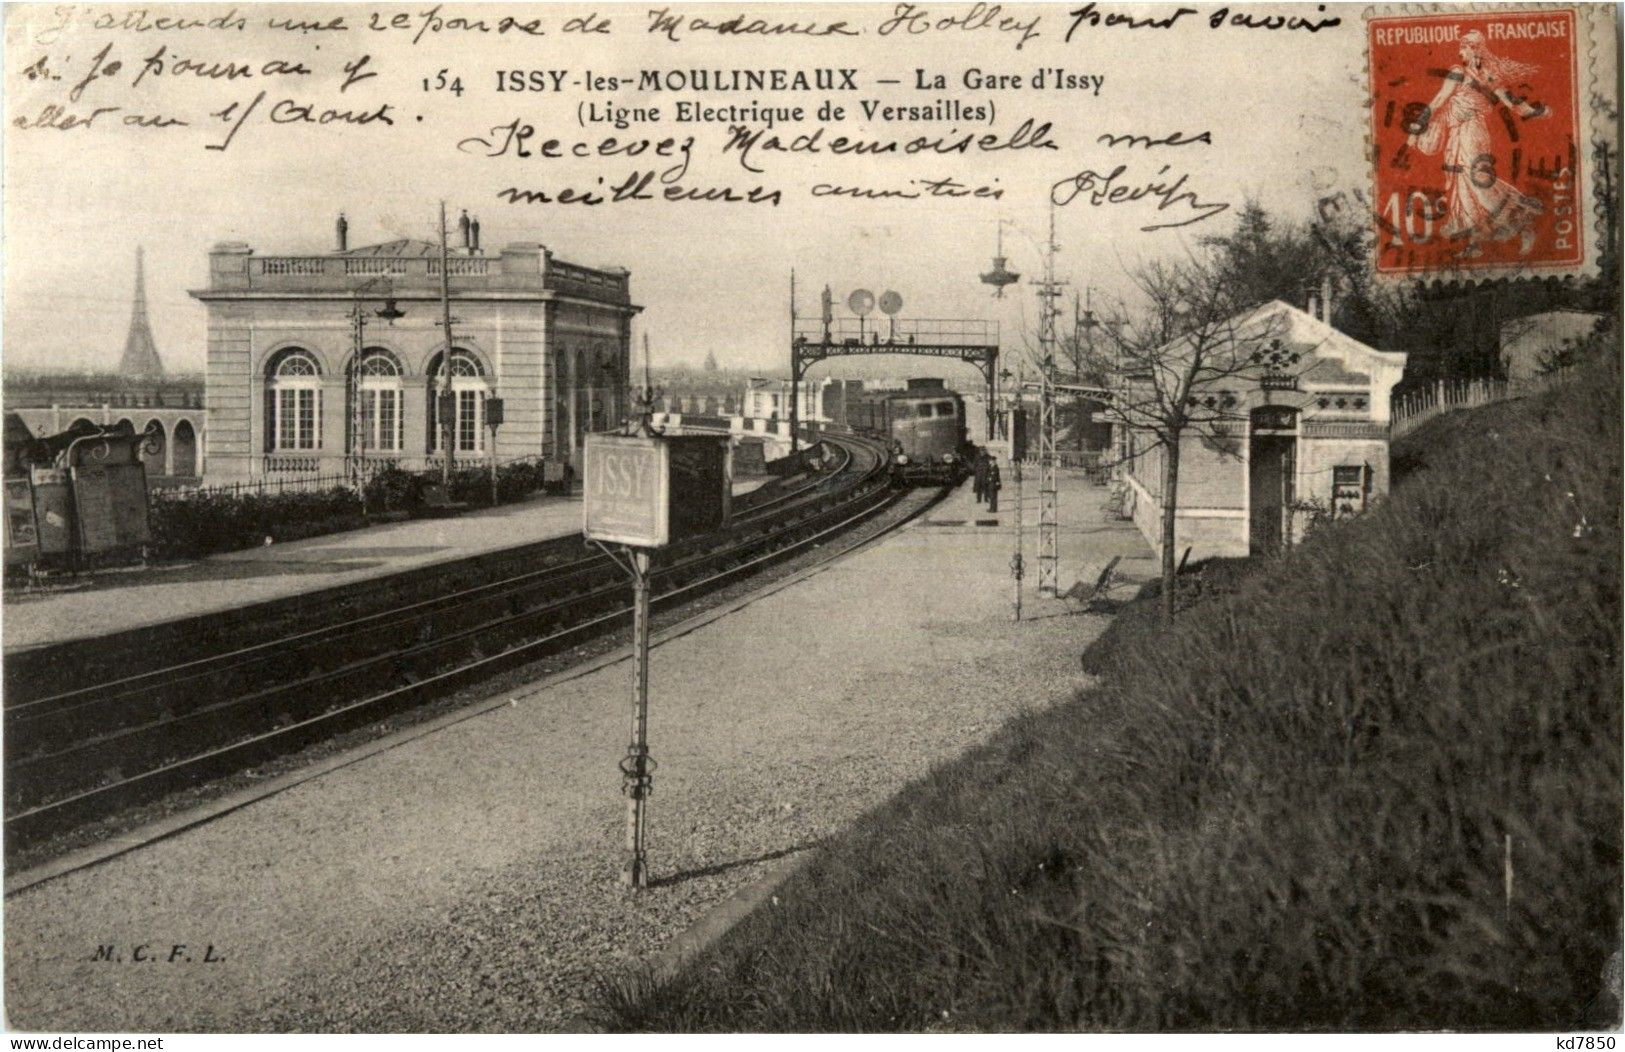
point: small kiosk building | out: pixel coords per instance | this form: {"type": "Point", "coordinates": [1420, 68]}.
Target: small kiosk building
{"type": "Point", "coordinates": [1300, 430]}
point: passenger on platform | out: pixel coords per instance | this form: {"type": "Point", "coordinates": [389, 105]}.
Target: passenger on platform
{"type": "Point", "coordinates": [979, 475]}
{"type": "Point", "coordinates": [992, 485]}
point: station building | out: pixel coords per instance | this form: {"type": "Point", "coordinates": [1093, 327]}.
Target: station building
{"type": "Point", "coordinates": [296, 388]}
{"type": "Point", "coordinates": [1300, 428]}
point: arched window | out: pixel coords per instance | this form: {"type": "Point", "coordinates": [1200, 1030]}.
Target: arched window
{"type": "Point", "coordinates": [296, 402]}
{"type": "Point", "coordinates": [468, 388]}
{"type": "Point", "coordinates": [185, 459]}
{"type": "Point", "coordinates": [580, 401]}
{"type": "Point", "coordinates": [152, 448]}
{"type": "Point", "coordinates": [379, 378]}
{"type": "Point", "coordinates": [605, 396]}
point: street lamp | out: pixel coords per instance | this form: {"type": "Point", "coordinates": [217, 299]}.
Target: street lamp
{"type": "Point", "coordinates": [643, 398]}
{"type": "Point", "coordinates": [358, 419]}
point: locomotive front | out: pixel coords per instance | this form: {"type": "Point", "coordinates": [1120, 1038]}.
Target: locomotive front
{"type": "Point", "coordinates": [927, 431]}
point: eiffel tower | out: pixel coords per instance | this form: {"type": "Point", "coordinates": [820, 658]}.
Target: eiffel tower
{"type": "Point", "coordinates": [140, 359]}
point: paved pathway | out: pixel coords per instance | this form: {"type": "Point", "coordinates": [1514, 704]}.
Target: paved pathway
{"type": "Point", "coordinates": [122, 600]}
{"type": "Point", "coordinates": [132, 599]}
{"type": "Point", "coordinates": [466, 880]}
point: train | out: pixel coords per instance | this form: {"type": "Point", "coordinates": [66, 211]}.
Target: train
{"type": "Point", "coordinates": [925, 426]}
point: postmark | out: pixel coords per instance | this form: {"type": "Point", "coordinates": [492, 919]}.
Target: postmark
{"type": "Point", "coordinates": [1478, 143]}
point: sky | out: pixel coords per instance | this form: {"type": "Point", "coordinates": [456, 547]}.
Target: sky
{"type": "Point", "coordinates": [1283, 112]}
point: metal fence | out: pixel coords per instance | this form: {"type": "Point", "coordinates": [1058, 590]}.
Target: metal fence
{"type": "Point", "coordinates": [259, 486]}
{"type": "Point", "coordinates": [1415, 408]}
{"type": "Point", "coordinates": [298, 483]}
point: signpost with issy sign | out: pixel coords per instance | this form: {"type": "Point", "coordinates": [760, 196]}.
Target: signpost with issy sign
{"type": "Point", "coordinates": [642, 491]}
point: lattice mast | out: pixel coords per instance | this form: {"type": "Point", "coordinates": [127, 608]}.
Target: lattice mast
{"type": "Point", "coordinates": [1049, 291]}
{"type": "Point", "coordinates": [1018, 568]}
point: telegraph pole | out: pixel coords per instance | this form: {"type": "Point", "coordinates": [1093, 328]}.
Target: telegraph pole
{"type": "Point", "coordinates": [795, 380]}
{"type": "Point", "coordinates": [358, 417]}
{"type": "Point", "coordinates": [445, 404]}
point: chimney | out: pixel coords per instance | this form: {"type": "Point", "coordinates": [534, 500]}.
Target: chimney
{"type": "Point", "coordinates": [343, 228]}
{"type": "Point", "coordinates": [462, 225]}
{"type": "Point", "coordinates": [1326, 297]}
{"type": "Point", "coordinates": [474, 231]}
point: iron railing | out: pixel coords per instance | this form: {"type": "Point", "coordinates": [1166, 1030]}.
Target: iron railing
{"type": "Point", "coordinates": [1415, 408]}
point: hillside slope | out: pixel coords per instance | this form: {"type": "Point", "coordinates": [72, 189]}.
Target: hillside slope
{"type": "Point", "coordinates": [1375, 785]}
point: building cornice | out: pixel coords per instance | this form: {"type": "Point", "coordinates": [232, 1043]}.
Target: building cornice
{"type": "Point", "coordinates": [341, 297]}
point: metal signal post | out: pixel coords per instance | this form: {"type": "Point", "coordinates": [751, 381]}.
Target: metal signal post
{"type": "Point", "coordinates": [637, 769]}
{"type": "Point", "coordinates": [637, 766]}
{"type": "Point", "coordinates": [642, 490]}
{"type": "Point", "coordinates": [493, 420]}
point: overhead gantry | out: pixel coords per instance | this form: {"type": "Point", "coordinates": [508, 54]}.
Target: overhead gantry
{"type": "Point", "coordinates": [813, 340]}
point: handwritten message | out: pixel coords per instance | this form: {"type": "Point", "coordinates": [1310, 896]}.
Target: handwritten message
{"type": "Point", "coordinates": [595, 108]}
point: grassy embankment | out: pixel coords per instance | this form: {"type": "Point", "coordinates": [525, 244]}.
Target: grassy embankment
{"type": "Point", "coordinates": [1375, 784]}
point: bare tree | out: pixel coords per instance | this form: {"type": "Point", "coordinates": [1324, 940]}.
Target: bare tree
{"type": "Point", "coordinates": [1182, 361]}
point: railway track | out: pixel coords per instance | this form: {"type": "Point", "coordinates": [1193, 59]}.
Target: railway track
{"type": "Point", "coordinates": [59, 668]}
{"type": "Point", "coordinates": [78, 754]}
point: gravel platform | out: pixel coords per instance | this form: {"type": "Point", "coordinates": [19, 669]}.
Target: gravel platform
{"type": "Point", "coordinates": [466, 881]}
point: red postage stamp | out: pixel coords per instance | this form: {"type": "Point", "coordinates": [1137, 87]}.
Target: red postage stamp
{"type": "Point", "coordinates": [1477, 143]}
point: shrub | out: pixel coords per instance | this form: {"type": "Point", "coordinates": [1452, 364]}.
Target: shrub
{"type": "Point", "coordinates": [515, 481]}
{"type": "Point", "coordinates": [519, 480]}
{"type": "Point", "coordinates": [203, 523]}
{"type": "Point", "coordinates": [392, 489]}
{"type": "Point", "coordinates": [187, 526]}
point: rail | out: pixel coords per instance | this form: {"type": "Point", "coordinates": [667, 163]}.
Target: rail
{"type": "Point", "coordinates": [166, 727]}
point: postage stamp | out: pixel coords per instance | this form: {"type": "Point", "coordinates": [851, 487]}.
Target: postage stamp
{"type": "Point", "coordinates": [1477, 123]}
